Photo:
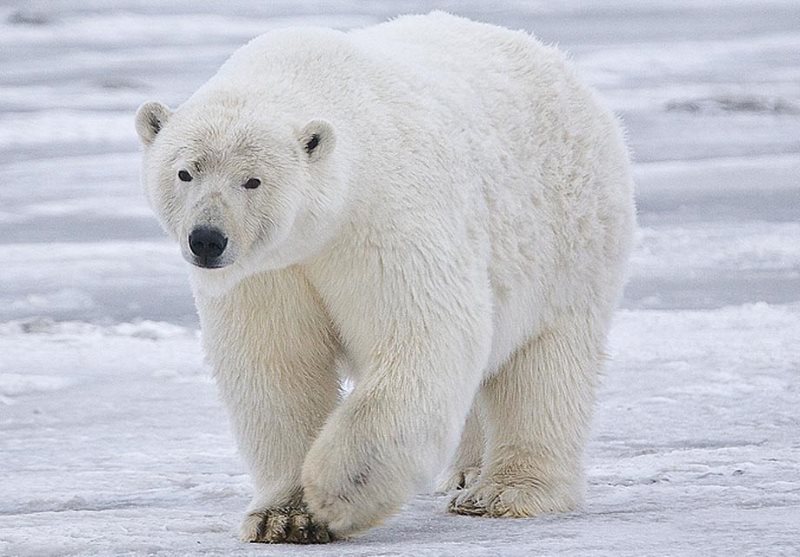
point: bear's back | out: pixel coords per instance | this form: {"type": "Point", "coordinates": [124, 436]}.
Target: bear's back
{"type": "Point", "coordinates": [437, 54]}
{"type": "Point", "coordinates": [450, 47]}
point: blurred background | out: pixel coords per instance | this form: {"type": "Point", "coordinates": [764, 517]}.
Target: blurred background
{"type": "Point", "coordinates": [709, 92]}
{"type": "Point", "coordinates": [112, 439]}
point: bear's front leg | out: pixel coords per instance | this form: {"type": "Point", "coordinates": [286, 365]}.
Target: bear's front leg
{"type": "Point", "coordinates": [422, 349]}
{"type": "Point", "coordinates": [273, 353]}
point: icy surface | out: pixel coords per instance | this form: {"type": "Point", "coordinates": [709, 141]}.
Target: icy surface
{"type": "Point", "coordinates": [112, 439]}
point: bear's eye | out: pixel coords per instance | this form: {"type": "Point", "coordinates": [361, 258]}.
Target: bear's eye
{"type": "Point", "coordinates": [184, 176]}
{"type": "Point", "coordinates": [312, 143]}
{"type": "Point", "coordinates": [252, 183]}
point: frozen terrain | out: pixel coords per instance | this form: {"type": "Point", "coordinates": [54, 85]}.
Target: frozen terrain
{"type": "Point", "coordinates": [112, 439]}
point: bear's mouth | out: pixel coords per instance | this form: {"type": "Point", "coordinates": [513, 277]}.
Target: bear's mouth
{"type": "Point", "coordinates": [206, 263]}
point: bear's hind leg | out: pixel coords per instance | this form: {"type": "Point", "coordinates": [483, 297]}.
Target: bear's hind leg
{"type": "Point", "coordinates": [466, 465]}
{"type": "Point", "coordinates": [537, 409]}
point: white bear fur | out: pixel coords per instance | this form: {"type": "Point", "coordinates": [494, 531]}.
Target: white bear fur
{"type": "Point", "coordinates": [457, 241]}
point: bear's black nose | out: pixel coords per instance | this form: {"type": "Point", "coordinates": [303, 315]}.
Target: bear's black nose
{"type": "Point", "coordinates": [207, 244]}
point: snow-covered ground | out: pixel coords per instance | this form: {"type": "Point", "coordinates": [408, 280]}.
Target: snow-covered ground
{"type": "Point", "coordinates": [112, 439]}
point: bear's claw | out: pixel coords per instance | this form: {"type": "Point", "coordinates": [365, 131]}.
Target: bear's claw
{"type": "Point", "coordinates": [284, 525]}
{"type": "Point", "coordinates": [467, 507]}
{"type": "Point", "coordinates": [513, 499]}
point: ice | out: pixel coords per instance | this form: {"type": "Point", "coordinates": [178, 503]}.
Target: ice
{"type": "Point", "coordinates": [112, 438]}
{"type": "Point", "coordinates": [693, 450]}
{"type": "Point", "coordinates": [12, 384]}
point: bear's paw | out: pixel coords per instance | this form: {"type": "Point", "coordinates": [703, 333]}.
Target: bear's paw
{"type": "Point", "coordinates": [510, 499]}
{"type": "Point", "coordinates": [284, 525]}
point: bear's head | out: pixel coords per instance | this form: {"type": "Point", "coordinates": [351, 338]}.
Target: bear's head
{"type": "Point", "coordinates": [240, 190]}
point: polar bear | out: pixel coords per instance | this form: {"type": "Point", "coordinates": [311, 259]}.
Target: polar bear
{"type": "Point", "coordinates": [437, 208]}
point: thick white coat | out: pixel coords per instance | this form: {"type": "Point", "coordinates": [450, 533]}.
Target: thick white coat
{"type": "Point", "coordinates": [456, 241]}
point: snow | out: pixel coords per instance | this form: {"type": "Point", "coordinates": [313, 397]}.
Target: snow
{"type": "Point", "coordinates": [694, 447]}
{"type": "Point", "coordinates": [112, 438]}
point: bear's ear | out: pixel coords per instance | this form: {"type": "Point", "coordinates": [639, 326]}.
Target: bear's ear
{"type": "Point", "coordinates": [317, 139]}
{"type": "Point", "coordinates": [150, 118]}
